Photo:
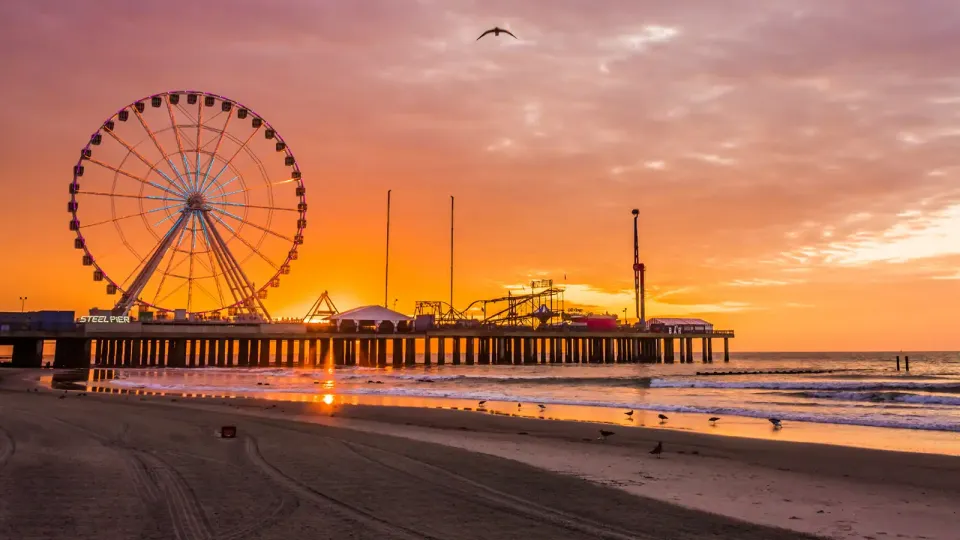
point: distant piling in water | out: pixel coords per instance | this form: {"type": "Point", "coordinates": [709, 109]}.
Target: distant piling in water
{"type": "Point", "coordinates": [906, 362]}
{"type": "Point", "coordinates": [898, 362]}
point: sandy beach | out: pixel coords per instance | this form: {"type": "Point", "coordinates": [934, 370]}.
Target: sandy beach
{"type": "Point", "coordinates": [126, 466]}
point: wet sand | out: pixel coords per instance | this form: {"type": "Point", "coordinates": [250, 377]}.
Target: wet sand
{"type": "Point", "coordinates": [132, 467]}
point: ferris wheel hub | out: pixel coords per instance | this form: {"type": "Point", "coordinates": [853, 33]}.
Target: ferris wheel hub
{"type": "Point", "coordinates": [196, 201]}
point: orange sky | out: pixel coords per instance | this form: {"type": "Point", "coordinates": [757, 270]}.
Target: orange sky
{"type": "Point", "coordinates": [796, 164]}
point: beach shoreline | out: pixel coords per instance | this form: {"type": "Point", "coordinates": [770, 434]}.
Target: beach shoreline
{"type": "Point", "coordinates": [826, 490]}
{"type": "Point", "coordinates": [329, 389]}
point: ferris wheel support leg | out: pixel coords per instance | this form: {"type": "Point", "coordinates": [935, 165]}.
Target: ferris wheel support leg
{"type": "Point", "coordinates": [233, 280]}
{"type": "Point", "coordinates": [246, 288]}
{"type": "Point", "coordinates": [133, 292]}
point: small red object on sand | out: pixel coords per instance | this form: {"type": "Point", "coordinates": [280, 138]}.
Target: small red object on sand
{"type": "Point", "coordinates": [228, 432]}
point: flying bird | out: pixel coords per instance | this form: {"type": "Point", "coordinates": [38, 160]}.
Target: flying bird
{"type": "Point", "coordinates": [482, 403]}
{"type": "Point", "coordinates": [657, 450]}
{"type": "Point", "coordinates": [604, 434]}
{"type": "Point", "coordinates": [542, 406]}
{"type": "Point", "coordinates": [713, 419]}
{"type": "Point", "coordinates": [775, 422]}
{"type": "Point", "coordinates": [519, 405]}
{"type": "Point", "coordinates": [496, 30]}
{"type": "Point", "coordinates": [629, 413]}
{"type": "Point", "coordinates": [662, 417]}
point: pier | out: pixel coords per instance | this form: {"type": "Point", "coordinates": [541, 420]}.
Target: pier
{"type": "Point", "coordinates": [136, 344]}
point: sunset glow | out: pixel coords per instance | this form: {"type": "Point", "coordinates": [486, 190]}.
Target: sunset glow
{"type": "Point", "coordinates": [796, 164]}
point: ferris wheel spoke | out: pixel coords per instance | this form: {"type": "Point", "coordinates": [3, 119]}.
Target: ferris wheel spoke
{"type": "Point", "coordinates": [248, 189]}
{"type": "Point", "coordinates": [229, 161]}
{"type": "Point", "coordinates": [248, 244]}
{"type": "Point", "coordinates": [134, 177]}
{"type": "Point", "coordinates": [118, 195]}
{"type": "Point", "coordinates": [145, 212]}
{"type": "Point", "coordinates": [196, 182]}
{"type": "Point", "coordinates": [179, 136]}
{"type": "Point", "coordinates": [204, 290]}
{"type": "Point", "coordinates": [143, 159]}
{"type": "Point", "coordinates": [131, 294]}
{"type": "Point", "coordinates": [156, 142]}
{"type": "Point", "coordinates": [171, 293]}
{"type": "Point", "coordinates": [232, 279]}
{"type": "Point", "coordinates": [215, 150]}
{"type": "Point", "coordinates": [206, 239]}
{"type": "Point", "coordinates": [252, 224]}
{"type": "Point", "coordinates": [193, 249]}
{"type": "Point", "coordinates": [163, 276]}
{"type": "Point", "coordinates": [255, 206]}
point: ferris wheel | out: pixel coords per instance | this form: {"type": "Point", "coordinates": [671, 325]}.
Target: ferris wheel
{"type": "Point", "coordinates": [188, 200]}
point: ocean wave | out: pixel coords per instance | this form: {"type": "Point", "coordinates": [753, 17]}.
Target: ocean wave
{"type": "Point", "coordinates": [884, 397]}
{"type": "Point", "coordinates": [950, 387]}
{"type": "Point", "coordinates": [873, 420]}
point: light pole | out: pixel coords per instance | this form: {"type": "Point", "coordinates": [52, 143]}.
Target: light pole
{"type": "Point", "coordinates": [638, 271]}
{"type": "Point", "coordinates": [23, 302]}
{"type": "Point", "coordinates": [386, 269]}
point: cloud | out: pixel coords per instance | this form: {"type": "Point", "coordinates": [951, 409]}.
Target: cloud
{"type": "Point", "coordinates": [915, 235]}
{"type": "Point", "coordinates": [593, 297]}
{"type": "Point", "coordinates": [760, 282]}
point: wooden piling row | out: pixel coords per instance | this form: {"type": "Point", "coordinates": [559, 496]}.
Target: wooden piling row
{"type": "Point", "coordinates": [397, 350]}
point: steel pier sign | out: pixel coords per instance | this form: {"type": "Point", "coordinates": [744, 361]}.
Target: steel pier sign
{"type": "Point", "coordinates": [105, 319]}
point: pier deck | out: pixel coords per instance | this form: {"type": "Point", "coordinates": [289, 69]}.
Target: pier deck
{"type": "Point", "coordinates": [299, 345]}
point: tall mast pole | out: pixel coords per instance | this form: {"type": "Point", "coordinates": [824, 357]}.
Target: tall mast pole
{"type": "Point", "coordinates": [451, 255]}
{"type": "Point", "coordinates": [386, 270]}
{"type": "Point", "coordinates": [638, 271]}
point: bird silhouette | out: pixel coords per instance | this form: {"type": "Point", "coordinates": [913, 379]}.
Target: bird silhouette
{"type": "Point", "coordinates": [496, 31]}
{"type": "Point", "coordinates": [657, 450]}
{"type": "Point", "coordinates": [604, 434]}
{"type": "Point", "coordinates": [775, 422]}
{"type": "Point", "coordinates": [482, 403]}
{"type": "Point", "coordinates": [542, 406]}
{"type": "Point", "coordinates": [662, 417]}
{"type": "Point", "coordinates": [629, 413]}
{"type": "Point", "coordinates": [519, 405]}
{"type": "Point", "coordinates": [713, 419]}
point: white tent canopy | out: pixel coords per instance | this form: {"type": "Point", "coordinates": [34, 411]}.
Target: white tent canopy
{"type": "Point", "coordinates": [375, 314]}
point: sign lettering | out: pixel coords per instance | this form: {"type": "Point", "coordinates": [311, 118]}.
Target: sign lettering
{"type": "Point", "coordinates": [105, 319]}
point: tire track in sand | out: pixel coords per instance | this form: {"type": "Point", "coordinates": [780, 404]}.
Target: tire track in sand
{"type": "Point", "coordinates": [308, 493]}
{"type": "Point", "coordinates": [503, 501]}
{"type": "Point", "coordinates": [155, 481]}
{"type": "Point", "coordinates": [524, 507]}
{"type": "Point", "coordinates": [7, 446]}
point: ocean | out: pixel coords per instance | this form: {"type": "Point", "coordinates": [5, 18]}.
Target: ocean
{"type": "Point", "coordinates": [860, 389]}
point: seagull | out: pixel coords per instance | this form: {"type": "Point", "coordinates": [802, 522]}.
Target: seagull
{"type": "Point", "coordinates": [775, 422]}
{"type": "Point", "coordinates": [657, 450]}
{"type": "Point", "coordinates": [496, 30]}
{"type": "Point", "coordinates": [713, 419]}
{"type": "Point", "coordinates": [662, 417]}
{"type": "Point", "coordinates": [482, 403]}
{"type": "Point", "coordinates": [629, 413]}
{"type": "Point", "coordinates": [604, 434]}
{"type": "Point", "coordinates": [519, 405]}
{"type": "Point", "coordinates": [542, 406]}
